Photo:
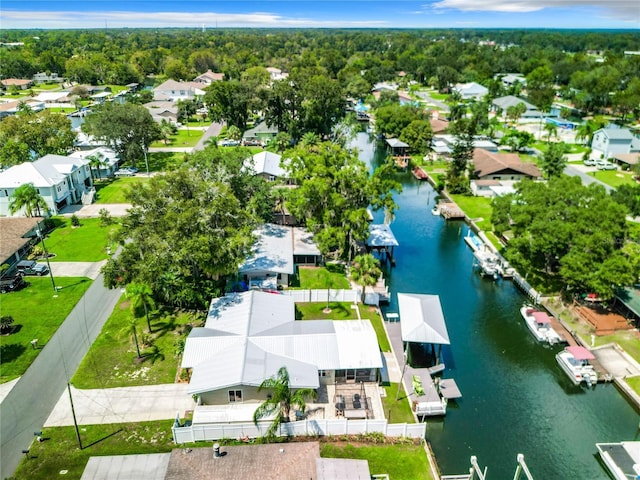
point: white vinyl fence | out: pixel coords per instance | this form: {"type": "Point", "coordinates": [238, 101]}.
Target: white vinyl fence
{"type": "Point", "coordinates": [195, 433]}
{"type": "Point", "coordinates": [323, 295]}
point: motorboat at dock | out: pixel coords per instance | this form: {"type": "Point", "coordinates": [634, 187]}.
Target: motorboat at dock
{"type": "Point", "coordinates": [622, 459]}
{"type": "Point", "coordinates": [539, 324]}
{"type": "Point", "coordinates": [574, 361]}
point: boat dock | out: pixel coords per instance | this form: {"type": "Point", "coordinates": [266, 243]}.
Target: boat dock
{"type": "Point", "coordinates": [450, 211]}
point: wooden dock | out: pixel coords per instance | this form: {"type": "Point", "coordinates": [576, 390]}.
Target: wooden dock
{"type": "Point", "coordinates": [450, 211]}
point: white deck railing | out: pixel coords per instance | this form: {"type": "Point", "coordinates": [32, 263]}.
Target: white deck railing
{"type": "Point", "coordinates": [323, 295]}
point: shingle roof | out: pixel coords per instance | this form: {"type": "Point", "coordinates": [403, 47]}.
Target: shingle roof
{"type": "Point", "coordinates": [12, 234]}
{"type": "Point", "coordinates": [489, 163]}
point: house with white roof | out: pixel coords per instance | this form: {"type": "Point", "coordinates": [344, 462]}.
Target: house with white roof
{"type": "Point", "coordinates": [276, 74]}
{"type": "Point", "coordinates": [510, 79]}
{"type": "Point", "coordinates": [503, 103]}
{"type": "Point", "coordinates": [108, 157]}
{"type": "Point", "coordinates": [61, 181]}
{"type": "Point", "coordinates": [174, 91]}
{"type": "Point", "coordinates": [275, 255]}
{"type": "Point", "coordinates": [611, 141]}
{"type": "Point", "coordinates": [268, 165]}
{"type": "Point", "coordinates": [249, 336]}
{"type": "Point", "coordinates": [471, 90]}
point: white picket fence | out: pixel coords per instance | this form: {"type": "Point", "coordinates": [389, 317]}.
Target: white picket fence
{"type": "Point", "coordinates": [323, 295]}
{"type": "Point", "coordinates": [203, 432]}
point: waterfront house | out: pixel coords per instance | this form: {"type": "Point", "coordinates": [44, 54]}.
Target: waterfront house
{"type": "Point", "coordinates": [109, 160]}
{"type": "Point", "coordinates": [502, 166]}
{"type": "Point", "coordinates": [276, 253]}
{"type": "Point", "coordinates": [44, 77]}
{"type": "Point", "coordinates": [163, 110]}
{"type": "Point", "coordinates": [60, 180]}
{"type": "Point", "coordinates": [249, 336]}
{"type": "Point", "coordinates": [12, 107]}
{"type": "Point", "coordinates": [174, 91]}
{"type": "Point", "coordinates": [610, 141]}
{"type": "Point", "coordinates": [208, 77]}
{"type": "Point", "coordinates": [20, 83]}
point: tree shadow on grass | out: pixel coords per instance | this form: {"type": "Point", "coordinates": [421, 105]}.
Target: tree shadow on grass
{"type": "Point", "coordinates": [10, 352]}
{"type": "Point", "coordinates": [81, 281]}
{"type": "Point", "coordinates": [168, 325]}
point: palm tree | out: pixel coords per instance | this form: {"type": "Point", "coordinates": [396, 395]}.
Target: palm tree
{"type": "Point", "coordinates": [27, 196]}
{"type": "Point", "coordinates": [281, 400]}
{"type": "Point", "coordinates": [551, 129]}
{"type": "Point", "coordinates": [96, 161]}
{"type": "Point", "coordinates": [166, 130]}
{"type": "Point", "coordinates": [132, 324]}
{"type": "Point", "coordinates": [140, 295]}
{"type": "Point", "coordinates": [365, 271]}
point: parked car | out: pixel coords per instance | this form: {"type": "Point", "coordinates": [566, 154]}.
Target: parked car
{"type": "Point", "coordinates": [124, 172]}
{"type": "Point", "coordinates": [31, 267]}
{"type": "Point", "coordinates": [252, 143]}
{"type": "Point", "coordinates": [590, 162]}
{"type": "Point", "coordinates": [11, 283]}
{"type": "Point", "coordinates": [607, 166]}
{"type": "Point", "coordinates": [227, 142]}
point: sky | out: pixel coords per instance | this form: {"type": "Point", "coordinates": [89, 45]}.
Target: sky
{"type": "Point", "coordinates": [321, 14]}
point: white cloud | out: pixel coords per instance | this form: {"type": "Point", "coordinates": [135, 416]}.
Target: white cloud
{"type": "Point", "coordinates": [622, 9]}
{"type": "Point", "coordinates": [117, 19]}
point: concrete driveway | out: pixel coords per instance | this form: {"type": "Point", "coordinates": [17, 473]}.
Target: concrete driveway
{"type": "Point", "coordinates": [93, 210]}
{"type": "Point", "coordinates": [121, 405]}
{"type": "Point", "coordinates": [77, 269]}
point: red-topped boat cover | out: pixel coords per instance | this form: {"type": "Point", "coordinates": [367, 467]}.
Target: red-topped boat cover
{"type": "Point", "coordinates": [580, 353]}
{"type": "Point", "coordinates": [541, 317]}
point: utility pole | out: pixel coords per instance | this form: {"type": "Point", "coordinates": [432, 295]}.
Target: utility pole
{"type": "Point", "coordinates": [46, 256]}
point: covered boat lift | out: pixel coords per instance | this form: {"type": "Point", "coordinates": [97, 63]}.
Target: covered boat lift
{"type": "Point", "coordinates": [382, 240]}
{"type": "Point", "coordinates": [422, 321]}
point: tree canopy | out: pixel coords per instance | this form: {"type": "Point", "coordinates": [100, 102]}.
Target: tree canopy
{"type": "Point", "coordinates": [190, 228]}
{"type": "Point", "coordinates": [127, 128]}
{"type": "Point", "coordinates": [33, 135]}
{"type": "Point", "coordinates": [333, 194]}
{"type": "Point", "coordinates": [570, 232]}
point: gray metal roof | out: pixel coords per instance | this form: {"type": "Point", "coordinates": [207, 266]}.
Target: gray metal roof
{"type": "Point", "coordinates": [303, 243]}
{"type": "Point", "coordinates": [395, 143]}
{"type": "Point", "coordinates": [422, 319]}
{"type": "Point", "coordinates": [512, 101]}
{"type": "Point", "coordinates": [127, 467]}
{"type": "Point", "coordinates": [380, 235]}
{"type": "Point", "coordinates": [342, 469]}
{"type": "Point", "coordinates": [617, 133]}
{"type": "Point", "coordinates": [273, 251]}
{"type": "Point", "coordinates": [267, 162]}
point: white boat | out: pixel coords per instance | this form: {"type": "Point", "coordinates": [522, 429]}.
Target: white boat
{"type": "Point", "coordinates": [539, 324]}
{"type": "Point", "coordinates": [487, 262]}
{"type": "Point", "coordinates": [435, 210]}
{"type": "Point", "coordinates": [575, 362]}
{"type": "Point", "coordinates": [622, 459]}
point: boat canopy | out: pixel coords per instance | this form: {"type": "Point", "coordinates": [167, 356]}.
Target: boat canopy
{"type": "Point", "coordinates": [580, 353]}
{"type": "Point", "coordinates": [541, 317]}
{"type": "Point", "coordinates": [421, 319]}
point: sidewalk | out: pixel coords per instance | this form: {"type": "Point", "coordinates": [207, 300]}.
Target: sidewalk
{"type": "Point", "coordinates": [120, 405]}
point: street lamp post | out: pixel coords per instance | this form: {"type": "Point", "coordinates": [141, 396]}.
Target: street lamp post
{"type": "Point", "coordinates": [146, 162]}
{"type": "Point", "coordinates": [46, 256]}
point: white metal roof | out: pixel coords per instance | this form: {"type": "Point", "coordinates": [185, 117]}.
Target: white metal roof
{"type": "Point", "coordinates": [422, 319]}
{"type": "Point", "coordinates": [273, 252]}
{"type": "Point", "coordinates": [303, 243]}
{"type": "Point", "coordinates": [249, 336]}
{"type": "Point", "coordinates": [152, 466]}
{"type": "Point", "coordinates": [267, 162]}
{"type": "Point", "coordinates": [380, 235]}
{"type": "Point", "coordinates": [45, 172]}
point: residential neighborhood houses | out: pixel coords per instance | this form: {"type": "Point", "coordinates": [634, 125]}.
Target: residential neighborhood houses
{"type": "Point", "coordinates": [290, 317]}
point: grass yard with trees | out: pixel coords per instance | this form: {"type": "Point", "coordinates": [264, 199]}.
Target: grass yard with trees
{"type": "Point", "coordinates": [112, 360]}
{"type": "Point", "coordinates": [329, 276]}
{"type": "Point", "coordinates": [37, 315]}
{"type": "Point", "coordinates": [86, 243]}
{"type": "Point", "coordinates": [115, 191]}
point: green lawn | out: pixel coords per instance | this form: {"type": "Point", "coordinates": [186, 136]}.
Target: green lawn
{"type": "Point", "coordinates": [314, 311]}
{"type": "Point", "coordinates": [111, 361]}
{"type": "Point", "coordinates": [163, 161]}
{"type": "Point", "coordinates": [330, 276]}
{"type": "Point", "coordinates": [62, 109]}
{"type": "Point", "coordinates": [60, 451]}
{"type": "Point", "coordinates": [476, 207]}
{"type": "Point", "coordinates": [86, 243]}
{"type": "Point", "coordinates": [614, 178]}
{"type": "Point", "coordinates": [634, 383]}
{"type": "Point", "coordinates": [113, 191]}
{"type": "Point", "coordinates": [37, 315]}
{"type": "Point", "coordinates": [371, 313]}
{"type": "Point", "coordinates": [400, 462]}
{"type": "Point", "coordinates": [397, 411]}
{"type": "Point", "coordinates": [184, 138]}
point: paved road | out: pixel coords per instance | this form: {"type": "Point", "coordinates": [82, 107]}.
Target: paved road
{"type": "Point", "coordinates": [433, 101]}
{"type": "Point", "coordinates": [213, 130]}
{"type": "Point", "coordinates": [29, 403]}
{"type": "Point", "coordinates": [580, 171]}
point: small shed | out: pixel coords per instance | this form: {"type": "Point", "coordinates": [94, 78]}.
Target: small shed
{"type": "Point", "coordinates": [399, 151]}
{"type": "Point", "coordinates": [382, 240]}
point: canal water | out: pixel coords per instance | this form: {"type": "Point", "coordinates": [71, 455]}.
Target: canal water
{"type": "Point", "coordinates": [515, 398]}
